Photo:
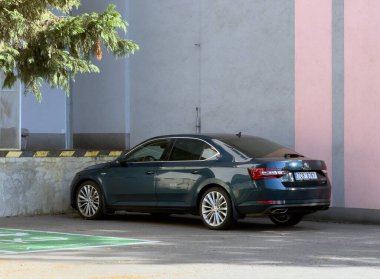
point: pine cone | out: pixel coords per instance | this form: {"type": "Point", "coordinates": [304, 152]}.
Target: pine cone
{"type": "Point", "coordinates": [98, 50]}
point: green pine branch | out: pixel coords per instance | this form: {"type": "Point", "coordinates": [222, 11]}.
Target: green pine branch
{"type": "Point", "coordinates": [37, 45]}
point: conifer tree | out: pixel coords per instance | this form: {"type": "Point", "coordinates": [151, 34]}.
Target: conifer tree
{"type": "Point", "coordinates": [41, 41]}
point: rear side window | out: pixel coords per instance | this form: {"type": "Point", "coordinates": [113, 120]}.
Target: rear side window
{"type": "Point", "coordinates": [256, 147]}
{"type": "Point", "coordinates": [191, 149]}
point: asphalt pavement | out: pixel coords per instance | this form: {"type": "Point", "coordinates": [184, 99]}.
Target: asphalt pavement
{"type": "Point", "coordinates": [181, 247]}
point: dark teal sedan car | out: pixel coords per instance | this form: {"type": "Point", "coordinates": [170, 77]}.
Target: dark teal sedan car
{"type": "Point", "coordinates": [221, 177]}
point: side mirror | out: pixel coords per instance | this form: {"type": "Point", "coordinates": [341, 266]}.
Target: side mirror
{"type": "Point", "coordinates": [118, 163]}
{"type": "Point", "coordinates": [121, 163]}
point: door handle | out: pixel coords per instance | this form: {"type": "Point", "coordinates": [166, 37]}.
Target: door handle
{"type": "Point", "coordinates": [195, 172]}
{"type": "Point", "coordinates": [149, 172]}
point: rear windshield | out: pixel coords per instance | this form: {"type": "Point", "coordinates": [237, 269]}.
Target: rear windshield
{"type": "Point", "coordinates": [256, 147]}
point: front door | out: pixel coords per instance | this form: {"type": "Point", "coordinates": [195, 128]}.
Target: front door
{"type": "Point", "coordinates": [132, 181]}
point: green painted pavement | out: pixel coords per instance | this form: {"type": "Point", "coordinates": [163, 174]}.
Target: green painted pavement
{"type": "Point", "coordinates": [21, 241]}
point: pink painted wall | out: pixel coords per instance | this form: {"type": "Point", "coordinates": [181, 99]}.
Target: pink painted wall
{"type": "Point", "coordinates": [362, 103]}
{"type": "Point", "coordinates": [313, 84]}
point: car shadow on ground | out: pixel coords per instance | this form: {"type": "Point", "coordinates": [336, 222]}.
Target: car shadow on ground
{"type": "Point", "coordinates": [187, 220]}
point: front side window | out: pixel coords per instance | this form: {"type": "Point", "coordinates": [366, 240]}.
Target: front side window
{"type": "Point", "coordinates": [191, 149]}
{"type": "Point", "coordinates": [152, 151]}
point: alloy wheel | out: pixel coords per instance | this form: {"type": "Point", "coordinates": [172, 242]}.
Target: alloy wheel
{"type": "Point", "coordinates": [214, 208]}
{"type": "Point", "coordinates": [88, 201]}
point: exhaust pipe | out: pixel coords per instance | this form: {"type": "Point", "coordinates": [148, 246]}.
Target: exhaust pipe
{"type": "Point", "coordinates": [279, 211]}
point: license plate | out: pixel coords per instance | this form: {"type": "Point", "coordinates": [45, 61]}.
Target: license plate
{"type": "Point", "coordinates": [305, 175]}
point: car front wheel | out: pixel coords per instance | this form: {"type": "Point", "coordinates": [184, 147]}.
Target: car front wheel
{"type": "Point", "coordinates": [215, 209]}
{"type": "Point", "coordinates": [287, 219]}
{"type": "Point", "coordinates": [89, 200]}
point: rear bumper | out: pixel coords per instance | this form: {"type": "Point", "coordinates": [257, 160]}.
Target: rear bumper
{"type": "Point", "coordinates": [267, 195]}
{"type": "Point", "coordinates": [302, 206]}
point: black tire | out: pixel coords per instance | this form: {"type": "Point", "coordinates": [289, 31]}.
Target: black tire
{"type": "Point", "coordinates": [287, 219]}
{"type": "Point", "coordinates": [89, 201]}
{"type": "Point", "coordinates": [215, 209]}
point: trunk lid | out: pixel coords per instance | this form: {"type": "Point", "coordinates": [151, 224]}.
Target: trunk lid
{"type": "Point", "coordinates": [296, 172]}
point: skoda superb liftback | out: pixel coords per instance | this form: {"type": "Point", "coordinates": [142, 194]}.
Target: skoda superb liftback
{"type": "Point", "coordinates": [220, 177]}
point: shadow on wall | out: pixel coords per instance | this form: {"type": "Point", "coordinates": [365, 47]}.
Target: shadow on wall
{"type": "Point", "coordinates": [9, 138]}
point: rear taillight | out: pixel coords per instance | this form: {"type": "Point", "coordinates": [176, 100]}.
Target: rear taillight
{"type": "Point", "coordinates": [263, 173]}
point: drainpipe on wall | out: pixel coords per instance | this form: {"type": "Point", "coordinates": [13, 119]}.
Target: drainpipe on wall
{"type": "Point", "coordinates": [198, 120]}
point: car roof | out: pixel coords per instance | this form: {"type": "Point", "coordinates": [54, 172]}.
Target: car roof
{"type": "Point", "coordinates": [219, 136]}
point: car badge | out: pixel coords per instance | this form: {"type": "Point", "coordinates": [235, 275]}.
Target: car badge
{"type": "Point", "coordinates": [306, 166]}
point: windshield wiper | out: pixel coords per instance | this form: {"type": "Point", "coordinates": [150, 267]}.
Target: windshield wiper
{"type": "Point", "coordinates": [293, 155]}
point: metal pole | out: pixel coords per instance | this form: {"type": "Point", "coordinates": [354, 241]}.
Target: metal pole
{"type": "Point", "coordinates": [69, 114]}
{"type": "Point", "coordinates": [69, 118]}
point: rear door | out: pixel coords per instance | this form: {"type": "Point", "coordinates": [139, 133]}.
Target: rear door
{"type": "Point", "coordinates": [188, 165]}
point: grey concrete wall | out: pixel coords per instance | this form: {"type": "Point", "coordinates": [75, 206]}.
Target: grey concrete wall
{"type": "Point", "coordinates": [101, 101]}
{"type": "Point", "coordinates": [165, 85]}
{"type": "Point", "coordinates": [234, 60]}
{"type": "Point", "coordinates": [248, 68]}
{"type": "Point", "coordinates": [31, 186]}
{"type": "Point", "coordinates": [47, 116]}
{"type": "Point", "coordinates": [46, 121]}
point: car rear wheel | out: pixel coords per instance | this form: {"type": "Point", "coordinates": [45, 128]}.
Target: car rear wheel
{"type": "Point", "coordinates": [215, 209]}
{"type": "Point", "coordinates": [286, 219]}
{"type": "Point", "coordinates": [89, 200]}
